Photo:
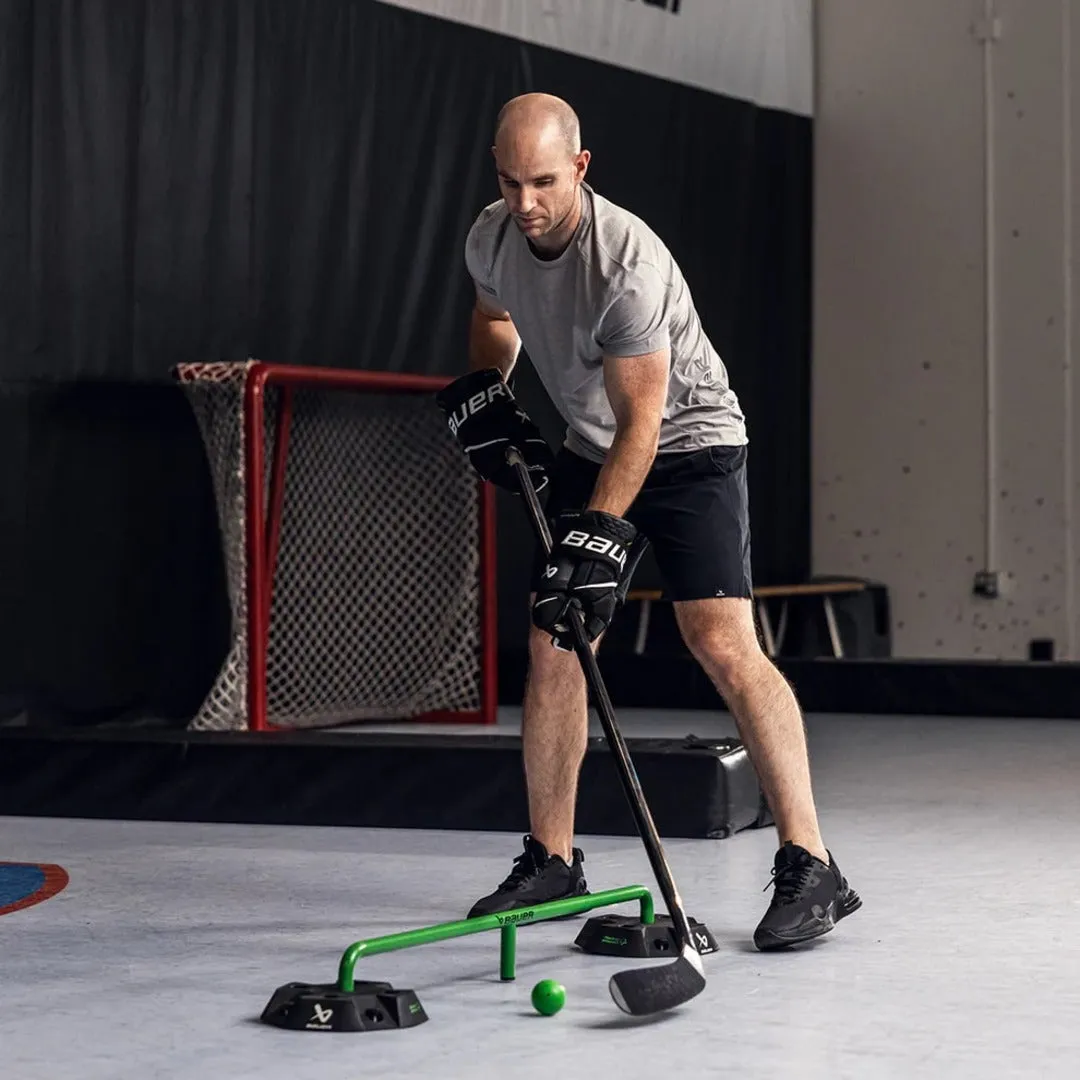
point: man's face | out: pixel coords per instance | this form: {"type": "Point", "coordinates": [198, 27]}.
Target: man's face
{"type": "Point", "coordinates": [538, 178]}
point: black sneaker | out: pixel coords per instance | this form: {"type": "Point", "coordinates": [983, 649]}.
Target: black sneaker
{"type": "Point", "coordinates": [810, 898]}
{"type": "Point", "coordinates": [537, 877]}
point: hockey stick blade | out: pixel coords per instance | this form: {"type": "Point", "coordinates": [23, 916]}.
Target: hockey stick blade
{"type": "Point", "coordinates": [645, 991]}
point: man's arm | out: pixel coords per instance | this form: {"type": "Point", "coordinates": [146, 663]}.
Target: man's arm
{"type": "Point", "coordinates": [637, 390]}
{"type": "Point", "coordinates": [480, 408]}
{"type": "Point", "coordinates": [493, 338]}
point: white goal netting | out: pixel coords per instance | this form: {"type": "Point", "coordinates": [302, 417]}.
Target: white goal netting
{"type": "Point", "coordinates": [375, 576]}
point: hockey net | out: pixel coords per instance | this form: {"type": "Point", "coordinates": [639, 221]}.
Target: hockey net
{"type": "Point", "coordinates": [357, 545]}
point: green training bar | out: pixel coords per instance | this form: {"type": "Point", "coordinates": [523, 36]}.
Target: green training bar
{"type": "Point", "coordinates": [507, 922]}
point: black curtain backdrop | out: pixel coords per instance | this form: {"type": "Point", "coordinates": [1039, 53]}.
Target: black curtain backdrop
{"type": "Point", "coordinates": [294, 181]}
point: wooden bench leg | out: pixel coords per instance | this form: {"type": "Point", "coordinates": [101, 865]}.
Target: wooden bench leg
{"type": "Point", "coordinates": [834, 630]}
{"type": "Point", "coordinates": [781, 626]}
{"type": "Point", "coordinates": [642, 627]}
{"type": "Point", "coordinates": [766, 628]}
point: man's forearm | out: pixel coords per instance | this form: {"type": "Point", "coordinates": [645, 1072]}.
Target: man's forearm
{"type": "Point", "coordinates": [632, 453]}
{"type": "Point", "coordinates": [493, 343]}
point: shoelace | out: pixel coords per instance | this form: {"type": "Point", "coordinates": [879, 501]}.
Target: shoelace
{"type": "Point", "coordinates": [524, 867]}
{"type": "Point", "coordinates": [790, 882]}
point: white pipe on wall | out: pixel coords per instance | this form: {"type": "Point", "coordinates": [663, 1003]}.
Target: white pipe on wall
{"type": "Point", "coordinates": [990, 31]}
{"type": "Point", "coordinates": [1071, 599]}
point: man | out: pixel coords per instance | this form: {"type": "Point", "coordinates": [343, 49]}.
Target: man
{"type": "Point", "coordinates": [655, 451]}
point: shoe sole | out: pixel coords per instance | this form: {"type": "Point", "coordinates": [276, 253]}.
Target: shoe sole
{"type": "Point", "coordinates": [573, 914]}
{"type": "Point", "coordinates": [839, 909]}
{"type": "Point", "coordinates": [556, 918]}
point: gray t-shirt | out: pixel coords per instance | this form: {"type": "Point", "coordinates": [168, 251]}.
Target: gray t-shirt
{"type": "Point", "coordinates": [616, 291]}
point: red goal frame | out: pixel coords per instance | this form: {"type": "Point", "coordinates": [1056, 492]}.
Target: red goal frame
{"type": "Point", "coordinates": [264, 521]}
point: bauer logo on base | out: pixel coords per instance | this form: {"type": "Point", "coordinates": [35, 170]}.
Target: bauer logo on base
{"type": "Point", "coordinates": [321, 1019]}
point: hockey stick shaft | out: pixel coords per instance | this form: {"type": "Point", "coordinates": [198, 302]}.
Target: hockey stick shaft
{"type": "Point", "coordinates": [598, 690]}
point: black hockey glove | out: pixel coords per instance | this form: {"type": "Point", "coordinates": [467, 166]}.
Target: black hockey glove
{"type": "Point", "coordinates": [593, 556]}
{"type": "Point", "coordinates": [486, 420]}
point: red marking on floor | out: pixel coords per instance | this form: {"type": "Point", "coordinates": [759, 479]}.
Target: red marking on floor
{"type": "Point", "coordinates": [56, 880]}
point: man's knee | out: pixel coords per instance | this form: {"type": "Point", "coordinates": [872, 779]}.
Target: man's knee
{"type": "Point", "coordinates": [723, 639]}
{"type": "Point", "coordinates": [732, 661]}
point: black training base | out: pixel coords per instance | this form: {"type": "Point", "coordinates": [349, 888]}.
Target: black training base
{"type": "Point", "coordinates": [371, 1006]}
{"type": "Point", "coordinates": [621, 935]}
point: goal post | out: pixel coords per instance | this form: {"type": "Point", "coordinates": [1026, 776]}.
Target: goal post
{"type": "Point", "coordinates": [359, 549]}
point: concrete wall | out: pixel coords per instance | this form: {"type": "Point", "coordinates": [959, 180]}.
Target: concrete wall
{"type": "Point", "coordinates": [944, 432]}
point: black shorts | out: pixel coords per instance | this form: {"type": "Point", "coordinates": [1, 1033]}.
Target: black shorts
{"type": "Point", "coordinates": [694, 510]}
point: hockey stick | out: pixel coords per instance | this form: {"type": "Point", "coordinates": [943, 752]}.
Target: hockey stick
{"type": "Point", "coordinates": [645, 990]}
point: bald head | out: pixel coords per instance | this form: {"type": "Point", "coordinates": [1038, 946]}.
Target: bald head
{"type": "Point", "coordinates": [539, 118]}
{"type": "Point", "coordinates": [541, 166]}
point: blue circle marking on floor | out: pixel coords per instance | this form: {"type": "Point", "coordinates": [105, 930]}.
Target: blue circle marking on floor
{"type": "Point", "coordinates": [25, 884]}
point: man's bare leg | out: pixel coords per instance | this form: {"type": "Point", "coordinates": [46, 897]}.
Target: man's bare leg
{"type": "Point", "coordinates": [722, 637]}
{"type": "Point", "coordinates": [554, 734]}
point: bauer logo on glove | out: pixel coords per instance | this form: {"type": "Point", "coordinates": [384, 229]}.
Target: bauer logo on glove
{"type": "Point", "coordinates": [600, 545]}
{"type": "Point", "coordinates": [593, 558]}
{"type": "Point", "coordinates": [474, 404]}
{"type": "Point", "coordinates": [486, 420]}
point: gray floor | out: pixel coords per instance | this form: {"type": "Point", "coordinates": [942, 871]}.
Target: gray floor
{"type": "Point", "coordinates": [961, 836]}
